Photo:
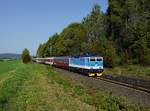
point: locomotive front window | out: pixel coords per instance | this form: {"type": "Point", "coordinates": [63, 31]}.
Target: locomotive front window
{"type": "Point", "coordinates": [92, 59]}
{"type": "Point", "coordinates": [99, 59]}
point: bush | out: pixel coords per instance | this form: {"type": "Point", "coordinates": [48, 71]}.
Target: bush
{"type": "Point", "coordinates": [25, 56]}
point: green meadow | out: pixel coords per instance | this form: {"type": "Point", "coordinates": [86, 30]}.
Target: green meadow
{"type": "Point", "coordinates": [35, 87]}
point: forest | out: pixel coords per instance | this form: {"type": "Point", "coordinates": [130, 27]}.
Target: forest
{"type": "Point", "coordinates": [121, 35]}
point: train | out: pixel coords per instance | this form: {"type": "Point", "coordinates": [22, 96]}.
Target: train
{"type": "Point", "coordinates": [89, 65]}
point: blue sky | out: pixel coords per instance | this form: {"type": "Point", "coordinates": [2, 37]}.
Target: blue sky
{"type": "Point", "coordinates": [27, 23]}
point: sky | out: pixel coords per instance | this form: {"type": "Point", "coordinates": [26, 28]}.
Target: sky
{"type": "Point", "coordinates": [27, 23]}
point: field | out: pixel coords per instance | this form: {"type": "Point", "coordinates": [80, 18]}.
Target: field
{"type": "Point", "coordinates": [130, 70]}
{"type": "Point", "coordinates": [35, 87]}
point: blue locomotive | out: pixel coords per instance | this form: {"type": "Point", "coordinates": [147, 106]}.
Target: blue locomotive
{"type": "Point", "coordinates": [91, 65]}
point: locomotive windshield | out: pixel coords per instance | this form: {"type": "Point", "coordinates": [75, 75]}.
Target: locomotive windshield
{"type": "Point", "coordinates": [96, 59]}
{"type": "Point", "coordinates": [99, 59]}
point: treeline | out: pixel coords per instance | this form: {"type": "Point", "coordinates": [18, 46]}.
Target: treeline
{"type": "Point", "coordinates": [121, 35]}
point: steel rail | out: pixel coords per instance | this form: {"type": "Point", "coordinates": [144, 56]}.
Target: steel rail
{"type": "Point", "coordinates": [125, 84]}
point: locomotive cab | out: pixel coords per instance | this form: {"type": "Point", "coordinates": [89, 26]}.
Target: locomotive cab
{"type": "Point", "coordinates": [95, 62]}
{"type": "Point", "coordinates": [93, 66]}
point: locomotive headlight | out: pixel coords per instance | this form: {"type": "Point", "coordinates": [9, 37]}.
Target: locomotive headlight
{"type": "Point", "coordinates": [101, 67]}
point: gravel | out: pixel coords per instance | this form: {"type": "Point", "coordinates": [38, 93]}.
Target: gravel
{"type": "Point", "coordinates": [129, 80]}
{"type": "Point", "coordinates": [132, 95]}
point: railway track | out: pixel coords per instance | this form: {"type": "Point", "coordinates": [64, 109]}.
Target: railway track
{"type": "Point", "coordinates": [138, 88]}
{"type": "Point", "coordinates": [132, 83]}
{"type": "Point", "coordinates": [137, 95]}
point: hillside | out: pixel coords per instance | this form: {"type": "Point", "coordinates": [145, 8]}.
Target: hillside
{"type": "Point", "coordinates": [10, 55]}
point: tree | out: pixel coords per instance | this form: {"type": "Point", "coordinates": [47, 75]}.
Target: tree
{"type": "Point", "coordinates": [25, 56]}
{"type": "Point", "coordinates": [121, 36]}
{"type": "Point", "coordinates": [71, 39]}
{"type": "Point", "coordinates": [50, 49]}
{"type": "Point", "coordinates": [97, 42]}
{"type": "Point", "coordinates": [38, 53]}
{"type": "Point", "coordinates": [128, 25]}
{"type": "Point", "coordinates": [110, 56]}
{"type": "Point", "coordinates": [94, 25]}
{"type": "Point", "coordinates": [41, 50]}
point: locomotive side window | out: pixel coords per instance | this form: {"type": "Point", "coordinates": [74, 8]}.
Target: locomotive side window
{"type": "Point", "coordinates": [92, 59]}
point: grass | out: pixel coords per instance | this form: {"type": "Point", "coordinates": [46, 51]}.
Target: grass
{"type": "Point", "coordinates": [6, 66]}
{"type": "Point", "coordinates": [130, 70]}
{"type": "Point", "coordinates": [101, 101]}
{"type": "Point", "coordinates": [29, 88]}
{"type": "Point", "coordinates": [34, 87]}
